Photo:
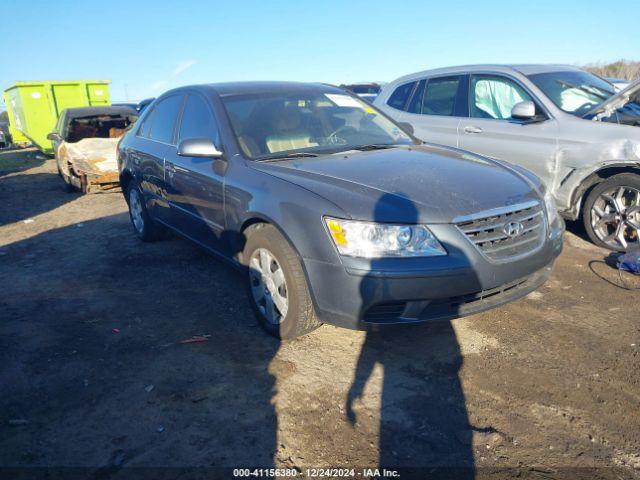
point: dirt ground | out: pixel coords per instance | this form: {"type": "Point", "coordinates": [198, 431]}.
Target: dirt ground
{"type": "Point", "coordinates": [92, 374]}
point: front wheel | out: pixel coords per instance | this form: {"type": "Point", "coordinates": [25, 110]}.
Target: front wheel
{"type": "Point", "coordinates": [277, 286]}
{"type": "Point", "coordinates": [611, 213]}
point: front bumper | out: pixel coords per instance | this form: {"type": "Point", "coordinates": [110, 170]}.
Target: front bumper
{"type": "Point", "coordinates": [359, 294]}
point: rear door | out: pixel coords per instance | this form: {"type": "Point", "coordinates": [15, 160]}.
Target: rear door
{"type": "Point", "coordinates": [155, 136]}
{"type": "Point", "coordinates": [436, 109]}
{"type": "Point", "coordinates": [194, 184]}
{"type": "Point", "coordinates": [491, 131]}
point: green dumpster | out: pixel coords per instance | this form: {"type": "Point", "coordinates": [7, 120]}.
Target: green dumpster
{"type": "Point", "coordinates": [34, 107]}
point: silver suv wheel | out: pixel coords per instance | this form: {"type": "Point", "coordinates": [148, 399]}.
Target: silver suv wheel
{"type": "Point", "coordinates": [615, 216]}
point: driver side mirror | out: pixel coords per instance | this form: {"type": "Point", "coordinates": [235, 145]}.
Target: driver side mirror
{"type": "Point", "coordinates": [198, 147]}
{"type": "Point", "coordinates": [407, 127]}
{"type": "Point", "coordinates": [54, 137]}
{"type": "Point", "coordinates": [524, 110]}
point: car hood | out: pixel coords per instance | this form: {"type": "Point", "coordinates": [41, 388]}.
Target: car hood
{"type": "Point", "coordinates": [417, 184]}
{"type": "Point", "coordinates": [619, 100]}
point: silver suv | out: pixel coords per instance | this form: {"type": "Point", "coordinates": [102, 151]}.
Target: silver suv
{"type": "Point", "coordinates": [566, 125]}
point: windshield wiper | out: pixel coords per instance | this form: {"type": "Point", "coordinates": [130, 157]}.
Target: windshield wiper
{"type": "Point", "coordinates": [373, 146]}
{"type": "Point", "coordinates": [285, 156]}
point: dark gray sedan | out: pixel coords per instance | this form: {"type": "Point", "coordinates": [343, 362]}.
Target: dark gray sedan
{"type": "Point", "coordinates": [333, 211]}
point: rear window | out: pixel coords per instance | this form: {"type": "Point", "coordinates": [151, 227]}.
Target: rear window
{"type": "Point", "coordinates": [399, 97]}
{"type": "Point", "coordinates": [440, 96]}
{"type": "Point", "coordinates": [160, 123]}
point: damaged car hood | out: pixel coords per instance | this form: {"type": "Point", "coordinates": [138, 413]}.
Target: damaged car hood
{"type": "Point", "coordinates": [424, 184]}
{"type": "Point", "coordinates": [619, 100]}
{"type": "Point", "coordinates": [92, 155]}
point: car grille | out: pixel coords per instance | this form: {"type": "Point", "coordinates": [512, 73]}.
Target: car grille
{"type": "Point", "coordinates": [487, 231]}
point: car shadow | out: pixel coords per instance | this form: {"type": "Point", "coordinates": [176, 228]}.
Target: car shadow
{"type": "Point", "coordinates": [424, 426]}
{"type": "Point", "coordinates": [121, 354]}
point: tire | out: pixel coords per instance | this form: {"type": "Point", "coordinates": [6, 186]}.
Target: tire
{"type": "Point", "coordinates": [610, 218]}
{"type": "Point", "coordinates": [67, 186]}
{"type": "Point", "coordinates": [300, 317]}
{"type": "Point", "coordinates": [143, 225]}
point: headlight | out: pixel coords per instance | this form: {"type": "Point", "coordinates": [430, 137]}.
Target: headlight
{"type": "Point", "coordinates": [550, 205]}
{"type": "Point", "coordinates": [377, 240]}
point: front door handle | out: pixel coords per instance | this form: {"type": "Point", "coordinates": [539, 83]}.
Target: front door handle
{"type": "Point", "coordinates": [472, 129]}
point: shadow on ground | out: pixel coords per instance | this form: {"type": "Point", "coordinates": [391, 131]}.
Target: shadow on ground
{"type": "Point", "coordinates": [91, 363]}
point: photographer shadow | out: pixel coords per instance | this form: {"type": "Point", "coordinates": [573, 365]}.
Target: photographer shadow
{"type": "Point", "coordinates": [424, 427]}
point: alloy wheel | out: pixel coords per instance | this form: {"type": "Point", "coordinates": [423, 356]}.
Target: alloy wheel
{"type": "Point", "coordinates": [268, 285]}
{"type": "Point", "coordinates": [615, 217]}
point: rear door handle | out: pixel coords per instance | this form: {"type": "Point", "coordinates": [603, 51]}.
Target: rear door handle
{"type": "Point", "coordinates": [472, 129]}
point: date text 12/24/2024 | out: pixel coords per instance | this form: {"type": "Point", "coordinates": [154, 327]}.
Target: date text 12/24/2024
{"type": "Point", "coordinates": [369, 473]}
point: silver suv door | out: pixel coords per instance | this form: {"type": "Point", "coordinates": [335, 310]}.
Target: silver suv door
{"type": "Point", "coordinates": [491, 131]}
{"type": "Point", "coordinates": [436, 109]}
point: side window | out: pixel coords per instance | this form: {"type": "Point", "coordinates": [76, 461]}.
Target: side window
{"type": "Point", "coordinates": [415, 106]}
{"type": "Point", "coordinates": [399, 97]}
{"type": "Point", "coordinates": [441, 96]}
{"type": "Point", "coordinates": [494, 96]}
{"type": "Point", "coordinates": [160, 124]}
{"type": "Point", "coordinates": [197, 120]}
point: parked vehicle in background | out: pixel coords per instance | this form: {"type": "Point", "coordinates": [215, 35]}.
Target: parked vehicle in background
{"type": "Point", "coordinates": [335, 214]}
{"type": "Point", "coordinates": [34, 107]}
{"type": "Point", "coordinates": [564, 124]}
{"type": "Point", "coordinates": [367, 91]}
{"type": "Point", "coordinates": [85, 142]}
{"type": "Point", "coordinates": [5, 136]}
{"type": "Point", "coordinates": [144, 104]}
{"type": "Point", "coordinates": [618, 83]}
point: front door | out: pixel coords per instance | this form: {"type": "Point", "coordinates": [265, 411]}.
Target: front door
{"type": "Point", "coordinates": [195, 184]}
{"type": "Point", "coordinates": [491, 131]}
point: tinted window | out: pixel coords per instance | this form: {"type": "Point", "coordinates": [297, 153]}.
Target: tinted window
{"type": "Point", "coordinates": [416, 101]}
{"type": "Point", "coordinates": [440, 96]}
{"type": "Point", "coordinates": [197, 120]}
{"type": "Point", "coordinates": [161, 121]}
{"type": "Point", "coordinates": [399, 97]}
{"type": "Point", "coordinates": [495, 96]}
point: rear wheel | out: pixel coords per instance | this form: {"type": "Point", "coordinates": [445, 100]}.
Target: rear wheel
{"type": "Point", "coordinates": [143, 225]}
{"type": "Point", "coordinates": [611, 212]}
{"type": "Point", "coordinates": [277, 285]}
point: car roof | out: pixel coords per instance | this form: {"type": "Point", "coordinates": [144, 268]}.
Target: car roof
{"type": "Point", "coordinates": [77, 112]}
{"type": "Point", "coordinates": [240, 88]}
{"type": "Point", "coordinates": [525, 69]}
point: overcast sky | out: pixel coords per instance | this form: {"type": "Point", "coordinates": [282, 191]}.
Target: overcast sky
{"type": "Point", "coordinates": [147, 47]}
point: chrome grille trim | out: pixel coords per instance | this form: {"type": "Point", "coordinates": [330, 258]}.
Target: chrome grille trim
{"type": "Point", "coordinates": [485, 230]}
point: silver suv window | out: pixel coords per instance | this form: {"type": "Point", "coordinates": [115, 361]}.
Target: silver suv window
{"type": "Point", "coordinates": [400, 96]}
{"type": "Point", "coordinates": [493, 96]}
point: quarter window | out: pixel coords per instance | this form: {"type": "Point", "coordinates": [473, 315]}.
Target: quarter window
{"type": "Point", "coordinates": [441, 96]}
{"type": "Point", "coordinates": [161, 122]}
{"type": "Point", "coordinates": [399, 97]}
{"type": "Point", "coordinates": [198, 121]}
{"type": "Point", "coordinates": [494, 96]}
{"type": "Point", "coordinates": [416, 101]}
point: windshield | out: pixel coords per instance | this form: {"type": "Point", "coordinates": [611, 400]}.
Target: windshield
{"type": "Point", "coordinates": [574, 92]}
{"type": "Point", "coordinates": [271, 125]}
